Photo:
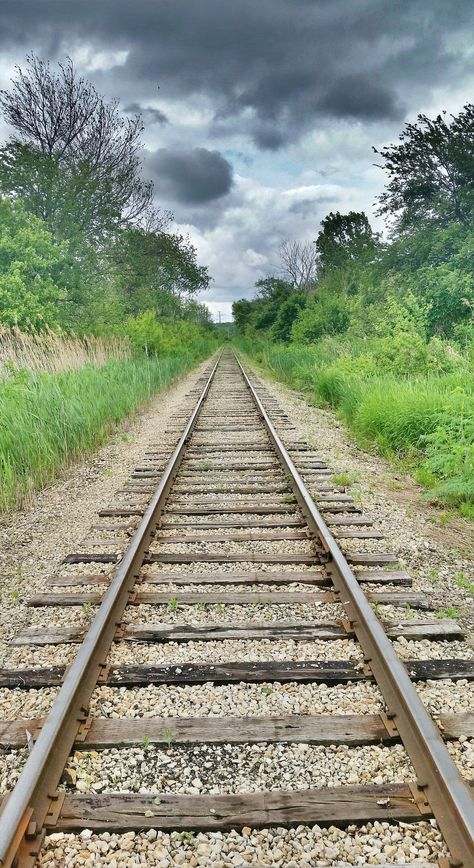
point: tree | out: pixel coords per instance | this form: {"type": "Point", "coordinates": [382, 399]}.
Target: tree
{"type": "Point", "coordinates": [242, 312]}
{"type": "Point", "coordinates": [75, 163]}
{"type": "Point", "coordinates": [155, 270]}
{"type": "Point", "coordinates": [323, 315]}
{"type": "Point", "coordinates": [29, 296]}
{"type": "Point", "coordinates": [287, 313]}
{"type": "Point", "coordinates": [298, 263]}
{"type": "Point", "coordinates": [61, 117]}
{"type": "Point", "coordinates": [194, 311]}
{"type": "Point", "coordinates": [344, 239]}
{"type": "Point", "coordinates": [431, 171]}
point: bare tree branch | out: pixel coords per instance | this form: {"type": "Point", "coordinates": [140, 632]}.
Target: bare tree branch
{"type": "Point", "coordinates": [299, 263]}
{"type": "Point", "coordinates": [61, 116]}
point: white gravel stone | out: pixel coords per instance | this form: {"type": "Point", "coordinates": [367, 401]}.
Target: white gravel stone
{"type": "Point", "coordinates": [228, 650]}
{"type": "Point", "coordinates": [306, 846]}
{"type": "Point", "coordinates": [244, 699]}
{"type": "Point", "coordinates": [243, 768]}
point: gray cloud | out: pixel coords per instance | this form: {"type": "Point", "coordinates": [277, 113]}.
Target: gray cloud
{"type": "Point", "coordinates": [194, 175]}
{"type": "Point", "coordinates": [358, 96]}
{"type": "Point", "coordinates": [273, 68]}
{"type": "Point", "coordinates": [150, 115]}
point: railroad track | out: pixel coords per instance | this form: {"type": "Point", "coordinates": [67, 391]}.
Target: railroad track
{"type": "Point", "coordinates": [258, 585]}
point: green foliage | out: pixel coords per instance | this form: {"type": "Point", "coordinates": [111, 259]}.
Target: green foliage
{"type": "Point", "coordinates": [29, 297]}
{"type": "Point", "coordinates": [286, 316]}
{"type": "Point", "coordinates": [462, 581]}
{"type": "Point", "coordinates": [98, 251]}
{"type": "Point", "coordinates": [449, 612]}
{"type": "Point", "coordinates": [427, 418]}
{"type": "Point", "coordinates": [387, 336]}
{"type": "Point", "coordinates": [153, 270]}
{"type": "Point", "coordinates": [344, 238]}
{"type": "Point", "coordinates": [147, 334]}
{"type": "Point", "coordinates": [323, 315]}
{"type": "Point", "coordinates": [48, 420]}
{"type": "Point", "coordinates": [431, 170]}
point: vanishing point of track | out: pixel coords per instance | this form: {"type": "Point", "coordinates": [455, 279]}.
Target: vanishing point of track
{"type": "Point", "coordinates": [184, 502]}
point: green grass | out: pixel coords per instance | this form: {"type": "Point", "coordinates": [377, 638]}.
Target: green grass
{"type": "Point", "coordinates": [48, 420]}
{"type": "Point", "coordinates": [345, 478]}
{"type": "Point", "coordinates": [449, 612]}
{"type": "Point", "coordinates": [462, 581]}
{"type": "Point", "coordinates": [425, 421]}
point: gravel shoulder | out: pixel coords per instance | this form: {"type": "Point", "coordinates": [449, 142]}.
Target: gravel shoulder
{"type": "Point", "coordinates": [34, 540]}
{"type": "Point", "coordinates": [437, 549]}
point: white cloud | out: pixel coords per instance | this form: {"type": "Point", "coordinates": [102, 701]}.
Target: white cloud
{"type": "Point", "coordinates": [243, 246]}
{"type": "Point", "coordinates": [91, 60]}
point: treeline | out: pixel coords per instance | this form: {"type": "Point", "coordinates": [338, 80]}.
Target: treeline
{"type": "Point", "coordinates": [416, 285]}
{"type": "Point", "coordinates": [382, 328]}
{"type": "Point", "coordinates": [82, 245]}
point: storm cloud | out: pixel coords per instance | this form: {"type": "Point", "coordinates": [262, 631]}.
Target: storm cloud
{"type": "Point", "coordinates": [195, 175]}
{"type": "Point", "coordinates": [274, 66]}
{"type": "Point", "coordinates": [274, 95]}
{"type": "Point", "coordinates": [149, 115]}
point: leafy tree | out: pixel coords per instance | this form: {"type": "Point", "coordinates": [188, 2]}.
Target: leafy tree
{"type": "Point", "coordinates": [272, 292]}
{"type": "Point", "coordinates": [75, 163]}
{"type": "Point", "coordinates": [242, 311]}
{"type": "Point", "coordinates": [198, 313]}
{"type": "Point", "coordinates": [449, 295]}
{"type": "Point", "coordinates": [345, 239]}
{"type": "Point", "coordinates": [29, 296]}
{"type": "Point", "coordinates": [323, 315]}
{"type": "Point", "coordinates": [287, 313]}
{"type": "Point", "coordinates": [431, 171]}
{"type": "Point", "coordinates": [156, 270]}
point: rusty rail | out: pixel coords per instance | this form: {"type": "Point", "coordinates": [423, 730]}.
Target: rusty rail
{"type": "Point", "coordinates": [439, 783]}
{"type": "Point", "coordinates": [35, 799]}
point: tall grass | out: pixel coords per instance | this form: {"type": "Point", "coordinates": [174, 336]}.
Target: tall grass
{"type": "Point", "coordinates": [50, 352]}
{"type": "Point", "coordinates": [427, 420]}
{"type": "Point", "coordinates": [49, 419]}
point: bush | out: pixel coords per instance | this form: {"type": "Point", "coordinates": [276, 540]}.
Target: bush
{"type": "Point", "coordinates": [159, 337]}
{"type": "Point", "coordinates": [324, 315]}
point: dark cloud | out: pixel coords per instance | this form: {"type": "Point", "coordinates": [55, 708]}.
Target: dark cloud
{"type": "Point", "coordinates": [273, 68]}
{"type": "Point", "coordinates": [359, 97]}
{"type": "Point", "coordinates": [268, 138]}
{"type": "Point", "coordinates": [193, 176]}
{"type": "Point", "coordinates": [307, 207]}
{"type": "Point", "coordinates": [150, 115]}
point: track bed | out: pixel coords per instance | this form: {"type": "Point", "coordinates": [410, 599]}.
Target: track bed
{"type": "Point", "coordinates": [226, 670]}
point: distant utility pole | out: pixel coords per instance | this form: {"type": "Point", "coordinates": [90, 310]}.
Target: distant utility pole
{"type": "Point", "coordinates": [219, 316]}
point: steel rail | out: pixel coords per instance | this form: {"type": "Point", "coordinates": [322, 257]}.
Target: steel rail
{"type": "Point", "coordinates": [438, 777]}
{"type": "Point", "coordinates": [33, 798]}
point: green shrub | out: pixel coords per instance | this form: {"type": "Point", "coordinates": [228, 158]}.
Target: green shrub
{"type": "Point", "coordinates": [161, 337]}
{"type": "Point", "coordinates": [322, 316]}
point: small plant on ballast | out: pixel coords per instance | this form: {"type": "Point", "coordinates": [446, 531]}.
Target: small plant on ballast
{"type": "Point", "coordinates": [169, 736]}
{"type": "Point", "coordinates": [449, 612]}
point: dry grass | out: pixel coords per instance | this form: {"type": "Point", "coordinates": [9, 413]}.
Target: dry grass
{"type": "Point", "coordinates": [52, 353]}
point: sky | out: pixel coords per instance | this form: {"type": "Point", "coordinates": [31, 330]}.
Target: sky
{"type": "Point", "coordinates": [260, 115]}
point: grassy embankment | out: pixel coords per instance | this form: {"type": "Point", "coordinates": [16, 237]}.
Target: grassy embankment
{"type": "Point", "coordinates": [61, 397]}
{"type": "Point", "coordinates": [424, 420]}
